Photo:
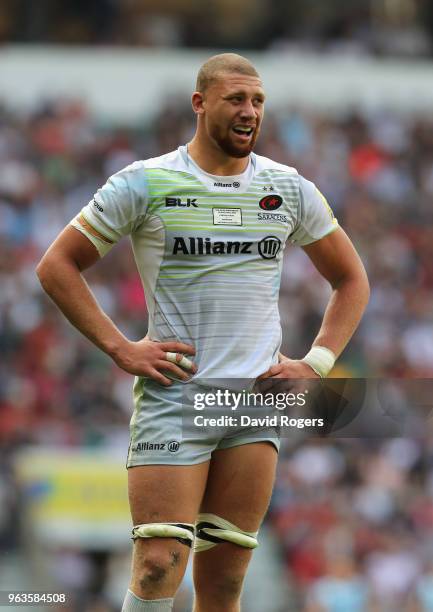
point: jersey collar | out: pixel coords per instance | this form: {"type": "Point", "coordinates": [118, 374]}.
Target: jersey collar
{"type": "Point", "coordinates": [238, 183]}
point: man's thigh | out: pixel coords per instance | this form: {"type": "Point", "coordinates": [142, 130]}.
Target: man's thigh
{"type": "Point", "coordinates": [163, 494]}
{"type": "Point", "coordinates": [238, 489]}
{"type": "Point", "coordinates": [240, 482]}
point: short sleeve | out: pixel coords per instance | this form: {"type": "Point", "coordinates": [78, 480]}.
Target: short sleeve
{"type": "Point", "coordinates": [117, 207]}
{"type": "Point", "coordinates": [316, 219]}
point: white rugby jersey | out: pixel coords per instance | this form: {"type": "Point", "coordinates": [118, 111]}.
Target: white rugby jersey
{"type": "Point", "coordinates": [209, 250]}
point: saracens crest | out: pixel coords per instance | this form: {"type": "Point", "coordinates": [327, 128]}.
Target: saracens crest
{"type": "Point", "coordinates": [271, 202]}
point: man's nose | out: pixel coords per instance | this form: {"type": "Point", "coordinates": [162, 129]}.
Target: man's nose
{"type": "Point", "coordinates": [248, 109]}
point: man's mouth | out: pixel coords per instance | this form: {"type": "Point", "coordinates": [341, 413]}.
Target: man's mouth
{"type": "Point", "coordinates": [243, 131]}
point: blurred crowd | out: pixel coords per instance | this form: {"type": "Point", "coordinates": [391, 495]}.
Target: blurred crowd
{"type": "Point", "coordinates": [401, 28]}
{"type": "Point", "coordinates": [355, 518]}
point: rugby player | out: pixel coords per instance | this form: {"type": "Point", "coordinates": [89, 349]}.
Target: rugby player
{"type": "Point", "coordinates": [208, 224]}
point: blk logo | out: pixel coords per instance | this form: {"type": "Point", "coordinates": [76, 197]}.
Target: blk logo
{"type": "Point", "coordinates": [269, 247]}
{"type": "Point", "coordinates": [271, 202]}
{"type": "Point", "coordinates": [178, 202]}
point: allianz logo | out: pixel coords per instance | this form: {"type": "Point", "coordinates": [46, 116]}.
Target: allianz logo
{"type": "Point", "coordinates": [235, 184]}
{"type": "Point", "coordinates": [268, 247]}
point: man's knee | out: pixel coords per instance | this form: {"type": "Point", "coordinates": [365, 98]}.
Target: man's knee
{"type": "Point", "coordinates": [154, 566]}
{"type": "Point", "coordinates": [222, 588]}
{"type": "Point", "coordinates": [228, 587]}
{"type": "Point", "coordinates": [154, 571]}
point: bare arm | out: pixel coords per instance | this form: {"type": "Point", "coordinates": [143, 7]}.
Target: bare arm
{"type": "Point", "coordinates": [59, 272]}
{"type": "Point", "coordinates": [336, 259]}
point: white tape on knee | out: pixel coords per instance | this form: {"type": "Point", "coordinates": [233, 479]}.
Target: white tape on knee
{"type": "Point", "coordinates": [212, 530]}
{"type": "Point", "coordinates": [184, 532]}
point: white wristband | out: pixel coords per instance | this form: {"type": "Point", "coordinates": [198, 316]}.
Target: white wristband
{"type": "Point", "coordinates": [321, 359]}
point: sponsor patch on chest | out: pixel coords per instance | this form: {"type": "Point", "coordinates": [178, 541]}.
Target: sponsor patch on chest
{"type": "Point", "coordinates": [227, 216]}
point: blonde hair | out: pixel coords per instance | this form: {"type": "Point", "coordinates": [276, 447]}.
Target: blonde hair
{"type": "Point", "coordinates": [223, 63]}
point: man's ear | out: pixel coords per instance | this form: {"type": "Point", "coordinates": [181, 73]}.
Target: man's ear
{"type": "Point", "coordinates": [197, 102]}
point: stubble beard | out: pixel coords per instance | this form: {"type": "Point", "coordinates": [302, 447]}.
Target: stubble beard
{"type": "Point", "coordinates": [226, 144]}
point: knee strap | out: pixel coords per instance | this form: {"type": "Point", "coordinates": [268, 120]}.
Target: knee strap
{"type": "Point", "coordinates": [212, 530]}
{"type": "Point", "coordinates": [182, 532]}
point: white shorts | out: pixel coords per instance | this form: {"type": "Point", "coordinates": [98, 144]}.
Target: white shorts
{"type": "Point", "coordinates": [158, 434]}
